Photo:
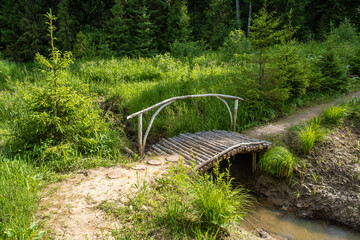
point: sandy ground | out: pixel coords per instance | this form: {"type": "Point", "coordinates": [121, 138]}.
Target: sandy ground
{"type": "Point", "coordinates": [70, 207]}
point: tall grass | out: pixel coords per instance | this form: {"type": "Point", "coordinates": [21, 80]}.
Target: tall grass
{"type": "Point", "coordinates": [278, 161]}
{"type": "Point", "coordinates": [311, 133]}
{"type": "Point", "coordinates": [333, 116]}
{"type": "Point", "coordinates": [217, 201]}
{"type": "Point", "coordinates": [19, 186]}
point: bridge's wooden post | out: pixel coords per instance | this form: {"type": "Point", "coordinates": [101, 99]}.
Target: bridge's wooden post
{"type": "Point", "coordinates": [140, 140]}
{"type": "Point", "coordinates": [253, 167]}
{"type": "Point", "coordinates": [235, 113]}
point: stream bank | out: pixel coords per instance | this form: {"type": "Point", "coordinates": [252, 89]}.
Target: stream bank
{"type": "Point", "coordinates": [325, 184]}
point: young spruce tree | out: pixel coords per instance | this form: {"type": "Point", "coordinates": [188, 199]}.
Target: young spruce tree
{"type": "Point", "coordinates": [58, 119]}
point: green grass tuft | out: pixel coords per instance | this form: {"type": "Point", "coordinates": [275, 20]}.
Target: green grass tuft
{"type": "Point", "coordinates": [334, 116]}
{"type": "Point", "coordinates": [312, 133]}
{"type": "Point", "coordinates": [278, 161]}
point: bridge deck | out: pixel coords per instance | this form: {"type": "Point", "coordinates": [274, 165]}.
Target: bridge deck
{"type": "Point", "coordinates": [205, 148]}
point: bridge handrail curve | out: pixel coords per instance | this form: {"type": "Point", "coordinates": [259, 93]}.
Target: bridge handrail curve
{"type": "Point", "coordinates": [162, 104]}
{"type": "Point", "coordinates": [182, 97]}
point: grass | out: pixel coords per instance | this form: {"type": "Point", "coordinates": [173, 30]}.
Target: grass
{"type": "Point", "coordinates": [182, 206]}
{"type": "Point", "coordinates": [19, 184]}
{"type": "Point", "coordinates": [278, 161]}
{"type": "Point", "coordinates": [311, 133]}
{"type": "Point", "coordinates": [334, 116]}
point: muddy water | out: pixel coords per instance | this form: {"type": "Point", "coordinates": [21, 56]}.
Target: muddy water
{"type": "Point", "coordinates": [287, 226]}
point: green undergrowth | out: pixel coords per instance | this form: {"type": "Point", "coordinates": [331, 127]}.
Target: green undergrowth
{"type": "Point", "coordinates": [301, 139]}
{"type": "Point", "coordinates": [181, 206]}
{"type": "Point", "coordinates": [19, 196]}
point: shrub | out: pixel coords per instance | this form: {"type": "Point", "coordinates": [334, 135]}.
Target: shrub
{"type": "Point", "coordinates": [333, 116]}
{"type": "Point", "coordinates": [278, 161]}
{"type": "Point", "coordinates": [217, 201]}
{"type": "Point", "coordinates": [187, 50]}
{"type": "Point", "coordinates": [311, 133]}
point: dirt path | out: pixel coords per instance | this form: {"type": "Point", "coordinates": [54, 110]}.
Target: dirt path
{"type": "Point", "coordinates": [299, 116]}
{"type": "Point", "coordinates": [71, 207]}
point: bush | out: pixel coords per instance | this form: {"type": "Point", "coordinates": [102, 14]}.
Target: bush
{"type": "Point", "coordinates": [333, 116]}
{"type": "Point", "coordinates": [311, 133]}
{"type": "Point", "coordinates": [278, 161]}
{"type": "Point", "coordinates": [187, 50]}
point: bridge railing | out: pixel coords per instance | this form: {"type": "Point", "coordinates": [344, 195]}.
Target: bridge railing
{"type": "Point", "coordinates": [163, 104]}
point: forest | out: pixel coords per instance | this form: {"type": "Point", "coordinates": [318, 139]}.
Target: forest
{"type": "Point", "coordinates": [144, 28]}
{"type": "Point", "coordinates": [72, 71]}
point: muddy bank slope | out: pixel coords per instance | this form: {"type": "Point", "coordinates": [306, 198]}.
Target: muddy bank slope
{"type": "Point", "coordinates": [326, 182]}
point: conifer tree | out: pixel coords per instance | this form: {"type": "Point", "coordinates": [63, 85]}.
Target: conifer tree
{"type": "Point", "coordinates": [221, 19]}
{"type": "Point", "coordinates": [264, 34]}
{"type": "Point", "coordinates": [178, 22]}
{"type": "Point", "coordinates": [67, 25]}
{"type": "Point", "coordinates": [288, 69]}
{"type": "Point", "coordinates": [117, 30]}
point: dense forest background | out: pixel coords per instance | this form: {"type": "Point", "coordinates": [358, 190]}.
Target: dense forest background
{"type": "Point", "coordinates": [147, 27]}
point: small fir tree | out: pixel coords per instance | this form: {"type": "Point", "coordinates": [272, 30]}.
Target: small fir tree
{"type": "Point", "coordinates": [57, 118]}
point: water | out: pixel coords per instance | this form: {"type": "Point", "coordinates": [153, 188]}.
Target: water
{"type": "Point", "coordinates": [288, 226]}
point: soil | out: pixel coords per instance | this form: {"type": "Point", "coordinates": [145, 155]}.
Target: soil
{"type": "Point", "coordinates": [326, 185]}
{"type": "Point", "coordinates": [71, 207]}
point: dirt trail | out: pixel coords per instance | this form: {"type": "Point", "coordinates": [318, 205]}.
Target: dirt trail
{"type": "Point", "coordinates": [71, 207]}
{"type": "Point", "coordinates": [299, 116]}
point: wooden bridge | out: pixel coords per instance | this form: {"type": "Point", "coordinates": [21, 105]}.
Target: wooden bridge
{"type": "Point", "coordinates": [203, 148]}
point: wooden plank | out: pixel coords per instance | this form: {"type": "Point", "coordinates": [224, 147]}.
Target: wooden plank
{"type": "Point", "coordinates": [190, 149]}
{"type": "Point", "coordinates": [196, 140]}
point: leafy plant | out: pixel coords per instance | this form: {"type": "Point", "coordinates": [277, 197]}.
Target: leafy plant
{"type": "Point", "coordinates": [278, 161]}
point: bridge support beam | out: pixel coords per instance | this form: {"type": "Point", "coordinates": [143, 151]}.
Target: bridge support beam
{"type": "Point", "coordinates": [253, 165]}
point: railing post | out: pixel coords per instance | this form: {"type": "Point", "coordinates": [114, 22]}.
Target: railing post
{"type": "Point", "coordinates": [140, 140]}
{"type": "Point", "coordinates": [235, 114]}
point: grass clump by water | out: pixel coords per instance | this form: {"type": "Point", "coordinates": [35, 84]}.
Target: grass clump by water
{"type": "Point", "coordinates": [19, 184]}
{"type": "Point", "coordinates": [182, 206]}
{"type": "Point", "coordinates": [278, 161]}
{"type": "Point", "coordinates": [311, 133]}
{"type": "Point", "coordinates": [334, 116]}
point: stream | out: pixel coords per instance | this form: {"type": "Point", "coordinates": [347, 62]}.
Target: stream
{"type": "Point", "coordinates": [288, 226]}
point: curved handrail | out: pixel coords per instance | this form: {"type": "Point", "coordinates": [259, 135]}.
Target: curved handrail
{"type": "Point", "coordinates": [162, 104]}
{"type": "Point", "coordinates": [183, 97]}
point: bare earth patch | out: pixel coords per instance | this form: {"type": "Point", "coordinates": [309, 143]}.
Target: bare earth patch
{"type": "Point", "coordinates": [71, 206]}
